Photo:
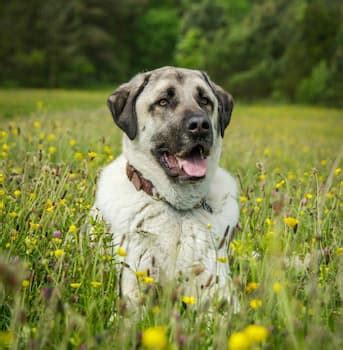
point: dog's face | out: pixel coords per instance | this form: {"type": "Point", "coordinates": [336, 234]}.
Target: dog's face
{"type": "Point", "coordinates": [175, 114]}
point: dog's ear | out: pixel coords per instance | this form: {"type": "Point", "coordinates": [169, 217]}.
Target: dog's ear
{"type": "Point", "coordinates": [122, 104]}
{"type": "Point", "coordinates": [225, 104]}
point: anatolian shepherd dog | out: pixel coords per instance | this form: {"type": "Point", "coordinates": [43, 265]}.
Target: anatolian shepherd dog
{"type": "Point", "coordinates": [165, 199]}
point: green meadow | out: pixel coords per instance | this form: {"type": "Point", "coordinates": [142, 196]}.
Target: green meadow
{"type": "Point", "coordinates": [58, 284]}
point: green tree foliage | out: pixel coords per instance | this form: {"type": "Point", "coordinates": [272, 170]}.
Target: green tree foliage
{"type": "Point", "coordinates": [289, 49]}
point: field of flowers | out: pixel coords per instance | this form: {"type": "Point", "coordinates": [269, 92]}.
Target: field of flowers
{"type": "Point", "coordinates": [58, 286]}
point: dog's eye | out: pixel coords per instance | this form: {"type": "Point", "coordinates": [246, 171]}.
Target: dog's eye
{"type": "Point", "coordinates": [163, 102]}
{"type": "Point", "coordinates": [204, 101]}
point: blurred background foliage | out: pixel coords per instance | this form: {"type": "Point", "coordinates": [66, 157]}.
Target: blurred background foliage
{"type": "Point", "coordinates": [285, 50]}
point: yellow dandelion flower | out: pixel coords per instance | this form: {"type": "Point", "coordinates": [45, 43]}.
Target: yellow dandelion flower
{"type": "Point", "coordinates": [256, 333]}
{"type": "Point", "coordinates": [262, 177]}
{"type": "Point", "coordinates": [189, 300]}
{"type": "Point", "coordinates": [280, 184]}
{"type": "Point", "coordinates": [222, 259]}
{"type": "Point", "coordinates": [25, 283]}
{"type": "Point", "coordinates": [75, 285]}
{"type": "Point", "coordinates": [255, 303]}
{"type": "Point", "coordinates": [338, 171]}
{"type": "Point", "coordinates": [141, 274]}
{"type": "Point", "coordinates": [258, 200]}
{"type": "Point", "coordinates": [17, 193]}
{"type": "Point", "coordinates": [62, 201]}
{"type": "Point", "coordinates": [72, 229]}
{"type": "Point", "coordinates": [251, 286]}
{"type": "Point", "coordinates": [92, 155]}
{"type": "Point", "coordinates": [6, 338]}
{"type": "Point", "coordinates": [121, 251]}
{"type": "Point", "coordinates": [268, 222]}
{"type": "Point", "coordinates": [154, 338]}
{"type": "Point", "coordinates": [239, 341]}
{"type": "Point", "coordinates": [52, 150]}
{"type": "Point", "coordinates": [148, 280]}
{"type": "Point", "coordinates": [96, 284]}
{"type": "Point", "coordinates": [290, 221]}
{"type": "Point", "coordinates": [50, 209]}
{"type": "Point", "coordinates": [266, 151]}
{"type": "Point", "coordinates": [59, 253]}
{"type": "Point", "coordinates": [243, 199]}
{"type": "Point", "coordinates": [37, 124]}
{"type": "Point", "coordinates": [339, 251]}
{"type": "Point", "coordinates": [51, 137]}
{"type": "Point", "coordinates": [277, 287]}
{"type": "Point", "coordinates": [309, 196]}
{"type": "Point", "coordinates": [78, 156]}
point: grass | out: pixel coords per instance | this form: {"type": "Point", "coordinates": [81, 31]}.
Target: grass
{"type": "Point", "coordinates": [58, 289]}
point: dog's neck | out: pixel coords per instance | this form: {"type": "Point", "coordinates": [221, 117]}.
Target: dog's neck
{"type": "Point", "coordinates": [181, 196]}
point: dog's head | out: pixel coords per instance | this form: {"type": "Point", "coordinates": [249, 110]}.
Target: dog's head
{"type": "Point", "coordinates": [177, 115]}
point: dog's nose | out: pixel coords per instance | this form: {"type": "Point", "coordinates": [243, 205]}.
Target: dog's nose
{"type": "Point", "coordinates": [198, 125]}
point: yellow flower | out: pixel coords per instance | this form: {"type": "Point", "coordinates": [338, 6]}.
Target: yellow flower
{"type": "Point", "coordinates": [25, 283]}
{"type": "Point", "coordinates": [222, 259]}
{"type": "Point", "coordinates": [59, 253]}
{"type": "Point", "coordinates": [141, 274]}
{"type": "Point", "coordinates": [50, 209]}
{"type": "Point", "coordinates": [78, 156]}
{"type": "Point", "coordinates": [5, 147]}
{"type": "Point", "coordinates": [243, 199]}
{"type": "Point", "coordinates": [92, 155]}
{"type": "Point", "coordinates": [280, 184]}
{"type": "Point", "coordinates": [72, 229]}
{"type": "Point", "coordinates": [209, 226]}
{"type": "Point", "coordinates": [266, 151]}
{"type": "Point", "coordinates": [238, 341]}
{"type": "Point", "coordinates": [6, 338]}
{"type": "Point", "coordinates": [256, 333]}
{"type": "Point", "coordinates": [189, 300]}
{"type": "Point", "coordinates": [2, 178]}
{"type": "Point", "coordinates": [12, 214]}
{"type": "Point", "coordinates": [309, 196]}
{"type": "Point", "coordinates": [148, 280]}
{"type": "Point", "coordinates": [258, 200]}
{"type": "Point", "coordinates": [34, 226]}
{"type": "Point", "coordinates": [72, 142]}
{"type": "Point", "coordinates": [338, 171]}
{"type": "Point", "coordinates": [339, 251]}
{"type": "Point", "coordinates": [96, 284]}
{"type": "Point", "coordinates": [37, 124]}
{"type": "Point", "coordinates": [251, 287]}
{"type": "Point", "coordinates": [121, 251]}
{"type": "Point", "coordinates": [262, 177]}
{"type": "Point", "coordinates": [277, 287]}
{"type": "Point", "coordinates": [17, 193]}
{"type": "Point", "coordinates": [75, 285]}
{"type": "Point", "coordinates": [154, 338]}
{"type": "Point", "coordinates": [52, 150]}
{"type": "Point", "coordinates": [255, 303]}
{"type": "Point", "coordinates": [268, 222]}
{"type": "Point", "coordinates": [291, 222]}
{"type": "Point", "coordinates": [107, 150]}
{"type": "Point", "coordinates": [51, 137]}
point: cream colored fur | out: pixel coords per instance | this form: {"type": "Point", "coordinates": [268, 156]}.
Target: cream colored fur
{"type": "Point", "coordinates": [170, 238]}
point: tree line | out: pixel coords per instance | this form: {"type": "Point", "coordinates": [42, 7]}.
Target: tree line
{"type": "Point", "coordinates": [281, 49]}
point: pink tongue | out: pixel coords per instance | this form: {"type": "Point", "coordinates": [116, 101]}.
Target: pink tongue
{"type": "Point", "coordinates": [193, 165]}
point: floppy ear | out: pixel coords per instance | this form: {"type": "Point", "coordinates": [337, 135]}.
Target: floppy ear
{"type": "Point", "coordinates": [122, 104]}
{"type": "Point", "coordinates": [225, 104]}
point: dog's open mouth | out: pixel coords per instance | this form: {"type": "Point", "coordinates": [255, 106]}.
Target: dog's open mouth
{"type": "Point", "coordinates": [191, 165]}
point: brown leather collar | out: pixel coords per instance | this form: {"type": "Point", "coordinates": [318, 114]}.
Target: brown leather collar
{"type": "Point", "coordinates": [141, 183]}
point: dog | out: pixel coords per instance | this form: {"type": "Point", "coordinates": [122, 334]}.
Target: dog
{"type": "Point", "coordinates": [170, 208]}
